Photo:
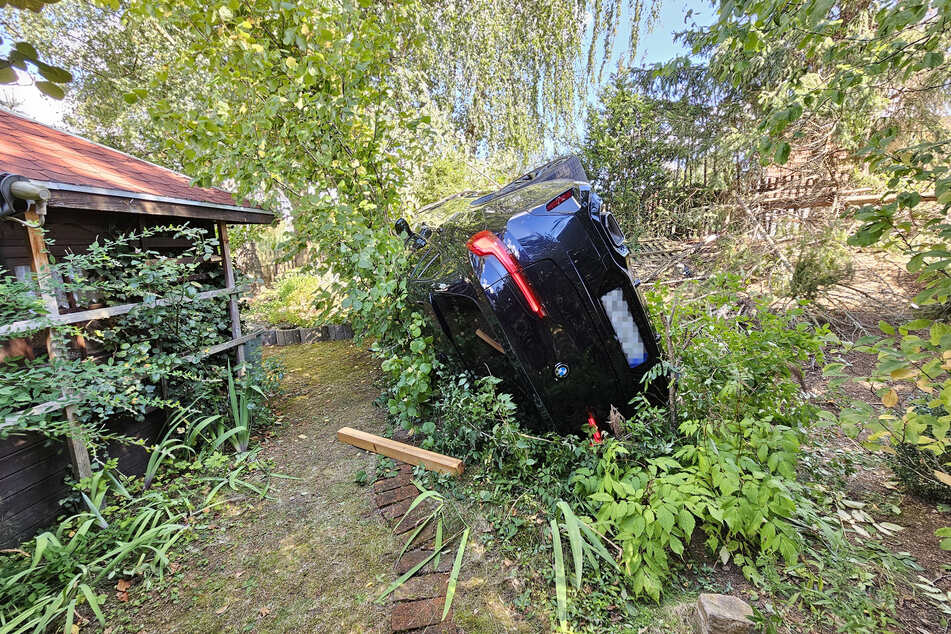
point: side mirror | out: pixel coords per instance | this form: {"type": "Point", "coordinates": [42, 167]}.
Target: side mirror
{"type": "Point", "coordinates": [401, 226]}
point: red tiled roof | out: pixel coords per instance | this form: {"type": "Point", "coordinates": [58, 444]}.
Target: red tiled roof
{"type": "Point", "coordinates": [38, 152]}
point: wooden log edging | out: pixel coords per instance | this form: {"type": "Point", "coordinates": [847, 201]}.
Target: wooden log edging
{"type": "Point", "coordinates": [292, 336]}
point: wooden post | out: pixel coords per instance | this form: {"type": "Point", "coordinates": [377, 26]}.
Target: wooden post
{"type": "Point", "coordinates": [78, 453]}
{"type": "Point", "coordinates": [229, 284]}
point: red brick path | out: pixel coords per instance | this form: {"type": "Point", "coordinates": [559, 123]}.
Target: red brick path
{"type": "Point", "coordinates": [418, 603]}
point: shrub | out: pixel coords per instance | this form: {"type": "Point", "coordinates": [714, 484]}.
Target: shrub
{"type": "Point", "coordinates": [913, 380]}
{"type": "Point", "coordinates": [292, 301]}
{"type": "Point", "coordinates": [820, 266]}
{"type": "Point", "coordinates": [729, 469]}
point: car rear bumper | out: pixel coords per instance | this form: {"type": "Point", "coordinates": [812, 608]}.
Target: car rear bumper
{"type": "Point", "coordinates": [573, 358]}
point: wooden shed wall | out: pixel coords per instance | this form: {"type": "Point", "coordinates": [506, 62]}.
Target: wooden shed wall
{"type": "Point", "coordinates": [32, 468]}
{"type": "Point", "coordinates": [74, 230]}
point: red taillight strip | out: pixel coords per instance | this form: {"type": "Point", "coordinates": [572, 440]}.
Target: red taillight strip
{"type": "Point", "coordinates": [487, 243]}
{"type": "Point", "coordinates": [557, 200]}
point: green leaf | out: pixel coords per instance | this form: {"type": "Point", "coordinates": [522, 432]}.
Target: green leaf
{"type": "Point", "coordinates": [686, 522]}
{"type": "Point", "coordinates": [676, 545]}
{"type": "Point", "coordinates": [54, 73]}
{"type": "Point", "coordinates": [26, 50]}
{"type": "Point", "coordinates": [437, 542]}
{"type": "Point", "coordinates": [574, 540]}
{"type": "Point", "coordinates": [665, 518]}
{"type": "Point", "coordinates": [93, 602]}
{"type": "Point", "coordinates": [50, 89]}
{"type": "Point", "coordinates": [402, 579]}
{"type": "Point", "coordinates": [414, 535]}
{"type": "Point", "coordinates": [782, 154]}
{"type": "Point", "coordinates": [561, 588]}
{"type": "Point", "coordinates": [454, 574]}
{"type": "Point", "coordinates": [7, 75]}
{"type": "Point", "coordinates": [595, 541]}
{"type": "Point", "coordinates": [417, 501]}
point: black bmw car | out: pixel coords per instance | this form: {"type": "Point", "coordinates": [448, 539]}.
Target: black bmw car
{"type": "Point", "coordinates": [530, 284]}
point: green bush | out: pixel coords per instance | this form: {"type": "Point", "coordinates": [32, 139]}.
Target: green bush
{"type": "Point", "coordinates": [818, 267]}
{"type": "Point", "coordinates": [729, 469]}
{"type": "Point", "coordinates": [292, 301]}
{"type": "Point", "coordinates": [912, 377]}
{"type": "Point", "coordinates": [129, 526]}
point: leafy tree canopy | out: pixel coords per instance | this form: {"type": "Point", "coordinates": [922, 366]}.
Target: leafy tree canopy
{"type": "Point", "coordinates": [23, 56]}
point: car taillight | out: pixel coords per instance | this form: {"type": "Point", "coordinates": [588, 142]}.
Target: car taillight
{"type": "Point", "coordinates": [486, 243]}
{"type": "Point", "coordinates": [557, 200]}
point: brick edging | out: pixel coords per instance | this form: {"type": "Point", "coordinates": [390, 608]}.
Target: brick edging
{"type": "Point", "coordinates": [417, 605]}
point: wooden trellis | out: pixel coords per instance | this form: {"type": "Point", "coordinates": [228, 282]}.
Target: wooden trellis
{"type": "Point", "coordinates": [78, 452]}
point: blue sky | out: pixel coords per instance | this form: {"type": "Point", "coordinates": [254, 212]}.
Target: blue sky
{"type": "Point", "coordinates": [657, 44]}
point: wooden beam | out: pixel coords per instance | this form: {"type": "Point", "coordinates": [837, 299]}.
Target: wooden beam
{"type": "Point", "coordinates": [78, 453]}
{"type": "Point", "coordinates": [228, 345]}
{"type": "Point", "coordinates": [229, 283]}
{"type": "Point", "coordinates": [118, 204]}
{"type": "Point", "coordinates": [105, 313]}
{"type": "Point", "coordinates": [400, 451]}
{"type": "Point", "coordinates": [489, 340]}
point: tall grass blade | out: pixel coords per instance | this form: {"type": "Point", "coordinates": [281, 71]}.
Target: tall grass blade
{"type": "Point", "coordinates": [119, 487]}
{"type": "Point", "coordinates": [42, 541]}
{"type": "Point", "coordinates": [406, 575]}
{"type": "Point", "coordinates": [93, 602]}
{"type": "Point", "coordinates": [595, 542]}
{"type": "Point", "coordinates": [416, 502]}
{"type": "Point", "coordinates": [437, 542]}
{"type": "Point", "coordinates": [454, 575]}
{"type": "Point", "coordinates": [70, 617]}
{"type": "Point", "coordinates": [228, 435]}
{"type": "Point", "coordinates": [95, 511]}
{"type": "Point", "coordinates": [574, 540]}
{"type": "Point", "coordinates": [419, 529]}
{"type": "Point", "coordinates": [195, 431]}
{"type": "Point", "coordinates": [561, 589]}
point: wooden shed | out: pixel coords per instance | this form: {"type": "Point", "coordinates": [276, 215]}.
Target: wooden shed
{"type": "Point", "coordinates": [93, 190]}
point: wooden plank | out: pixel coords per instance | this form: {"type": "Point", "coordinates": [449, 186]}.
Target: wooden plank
{"type": "Point", "coordinates": [118, 204]}
{"type": "Point", "coordinates": [20, 442]}
{"type": "Point", "coordinates": [78, 453]}
{"type": "Point", "coordinates": [227, 345]}
{"type": "Point", "coordinates": [489, 340]}
{"type": "Point", "coordinates": [229, 283]}
{"type": "Point", "coordinates": [13, 464]}
{"type": "Point", "coordinates": [105, 313]}
{"type": "Point", "coordinates": [400, 451]}
{"type": "Point", "coordinates": [41, 513]}
{"type": "Point", "coordinates": [39, 410]}
{"type": "Point", "coordinates": [43, 481]}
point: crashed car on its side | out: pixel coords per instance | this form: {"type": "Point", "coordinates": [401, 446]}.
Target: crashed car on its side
{"type": "Point", "coordinates": [530, 284]}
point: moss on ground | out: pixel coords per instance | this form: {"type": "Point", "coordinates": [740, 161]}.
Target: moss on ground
{"type": "Point", "coordinates": [313, 558]}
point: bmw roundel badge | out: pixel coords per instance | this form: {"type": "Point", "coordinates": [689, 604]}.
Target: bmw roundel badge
{"type": "Point", "coordinates": [561, 370]}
